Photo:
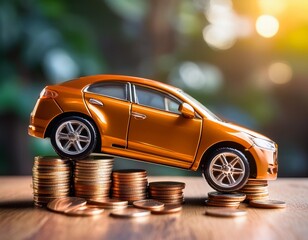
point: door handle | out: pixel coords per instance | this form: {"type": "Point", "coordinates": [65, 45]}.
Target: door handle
{"type": "Point", "coordinates": [139, 116]}
{"type": "Point", "coordinates": [95, 102]}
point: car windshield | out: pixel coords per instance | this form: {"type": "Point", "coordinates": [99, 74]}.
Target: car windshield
{"type": "Point", "coordinates": [196, 102]}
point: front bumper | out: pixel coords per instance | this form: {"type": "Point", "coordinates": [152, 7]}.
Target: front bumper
{"type": "Point", "coordinates": [266, 162]}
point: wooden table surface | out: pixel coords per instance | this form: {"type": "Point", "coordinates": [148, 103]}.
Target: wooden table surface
{"type": "Point", "coordinates": [20, 220]}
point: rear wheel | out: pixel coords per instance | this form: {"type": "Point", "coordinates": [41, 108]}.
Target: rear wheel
{"type": "Point", "coordinates": [73, 137]}
{"type": "Point", "coordinates": [226, 170]}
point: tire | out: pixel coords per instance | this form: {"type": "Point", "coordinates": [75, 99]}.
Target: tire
{"type": "Point", "coordinates": [226, 170]}
{"type": "Point", "coordinates": [74, 137]}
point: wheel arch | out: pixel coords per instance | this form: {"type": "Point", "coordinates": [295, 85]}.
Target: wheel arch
{"type": "Point", "coordinates": [77, 114]}
{"type": "Point", "coordinates": [234, 145]}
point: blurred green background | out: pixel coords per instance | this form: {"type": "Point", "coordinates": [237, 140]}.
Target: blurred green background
{"type": "Point", "coordinates": [245, 60]}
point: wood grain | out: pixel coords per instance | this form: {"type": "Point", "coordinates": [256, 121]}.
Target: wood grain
{"type": "Point", "coordinates": [20, 220]}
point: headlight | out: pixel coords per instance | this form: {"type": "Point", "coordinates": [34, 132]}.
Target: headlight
{"type": "Point", "coordinates": [262, 143]}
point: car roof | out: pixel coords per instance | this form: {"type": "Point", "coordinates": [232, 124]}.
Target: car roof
{"type": "Point", "coordinates": [81, 82]}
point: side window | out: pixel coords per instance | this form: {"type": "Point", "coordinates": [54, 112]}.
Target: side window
{"type": "Point", "coordinates": [155, 99]}
{"type": "Point", "coordinates": [110, 89]}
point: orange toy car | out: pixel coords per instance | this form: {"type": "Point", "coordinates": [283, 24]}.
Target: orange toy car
{"type": "Point", "coordinates": [150, 121]}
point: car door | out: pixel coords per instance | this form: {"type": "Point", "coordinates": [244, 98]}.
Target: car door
{"type": "Point", "coordinates": [158, 128]}
{"type": "Point", "coordinates": [109, 104]}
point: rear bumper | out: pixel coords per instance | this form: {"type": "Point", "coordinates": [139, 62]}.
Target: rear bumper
{"type": "Point", "coordinates": [43, 113]}
{"type": "Point", "coordinates": [35, 131]}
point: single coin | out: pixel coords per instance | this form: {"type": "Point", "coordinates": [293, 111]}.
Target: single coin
{"type": "Point", "coordinates": [225, 212]}
{"type": "Point", "coordinates": [257, 196]}
{"type": "Point", "coordinates": [129, 197]}
{"type": "Point", "coordinates": [130, 213]}
{"type": "Point", "coordinates": [129, 172]}
{"type": "Point", "coordinates": [108, 203]}
{"type": "Point", "coordinates": [267, 204]}
{"type": "Point", "coordinates": [222, 204]}
{"type": "Point", "coordinates": [65, 204]}
{"type": "Point", "coordinates": [168, 209]}
{"type": "Point", "coordinates": [254, 189]}
{"type": "Point", "coordinates": [85, 210]}
{"type": "Point", "coordinates": [149, 204]}
{"type": "Point", "coordinates": [167, 197]}
{"type": "Point", "coordinates": [256, 182]}
{"type": "Point", "coordinates": [227, 196]}
{"type": "Point", "coordinates": [166, 185]}
{"type": "Point", "coordinates": [166, 192]}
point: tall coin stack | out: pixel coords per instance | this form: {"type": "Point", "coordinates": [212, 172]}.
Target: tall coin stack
{"type": "Point", "coordinates": [255, 190]}
{"type": "Point", "coordinates": [92, 177]}
{"type": "Point", "coordinates": [129, 184]}
{"type": "Point", "coordinates": [167, 192]}
{"type": "Point", "coordinates": [50, 179]}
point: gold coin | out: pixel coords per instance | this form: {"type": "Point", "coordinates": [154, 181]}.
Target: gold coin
{"type": "Point", "coordinates": [130, 213]}
{"type": "Point", "coordinates": [267, 204]}
{"type": "Point", "coordinates": [225, 212]}
{"type": "Point", "coordinates": [85, 210]}
{"type": "Point", "coordinates": [168, 209]}
{"type": "Point", "coordinates": [66, 204]}
{"type": "Point", "coordinates": [149, 204]}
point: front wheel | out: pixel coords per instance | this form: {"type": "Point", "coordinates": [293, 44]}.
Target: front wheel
{"type": "Point", "coordinates": [226, 170]}
{"type": "Point", "coordinates": [73, 137]}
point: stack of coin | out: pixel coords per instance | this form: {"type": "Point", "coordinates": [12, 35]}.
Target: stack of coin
{"type": "Point", "coordinates": [255, 190]}
{"type": "Point", "coordinates": [50, 179]}
{"type": "Point", "coordinates": [167, 192]}
{"type": "Point", "coordinates": [129, 184]}
{"type": "Point", "coordinates": [92, 177]}
{"type": "Point", "coordinates": [218, 199]}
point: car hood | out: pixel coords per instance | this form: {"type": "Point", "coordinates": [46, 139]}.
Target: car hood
{"type": "Point", "coordinates": [244, 130]}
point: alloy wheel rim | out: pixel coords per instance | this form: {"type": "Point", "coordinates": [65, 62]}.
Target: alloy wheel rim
{"type": "Point", "coordinates": [73, 137]}
{"type": "Point", "coordinates": [227, 170]}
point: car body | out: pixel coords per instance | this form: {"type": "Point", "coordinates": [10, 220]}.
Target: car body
{"type": "Point", "coordinates": [151, 121]}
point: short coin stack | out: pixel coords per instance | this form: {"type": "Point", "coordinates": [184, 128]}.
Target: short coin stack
{"type": "Point", "coordinates": [218, 199]}
{"type": "Point", "coordinates": [74, 206]}
{"type": "Point", "coordinates": [129, 185]}
{"type": "Point", "coordinates": [167, 192]}
{"type": "Point", "coordinates": [50, 179]}
{"type": "Point", "coordinates": [255, 190]}
{"type": "Point", "coordinates": [92, 177]}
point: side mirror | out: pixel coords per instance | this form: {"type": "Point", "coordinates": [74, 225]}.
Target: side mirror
{"type": "Point", "coordinates": [187, 110]}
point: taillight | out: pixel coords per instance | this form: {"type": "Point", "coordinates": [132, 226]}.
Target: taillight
{"type": "Point", "coordinates": [46, 93]}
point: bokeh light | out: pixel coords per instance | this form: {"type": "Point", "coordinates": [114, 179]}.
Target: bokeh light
{"type": "Point", "coordinates": [200, 77]}
{"type": "Point", "coordinates": [273, 6]}
{"type": "Point", "coordinates": [225, 27]}
{"type": "Point", "coordinates": [280, 73]}
{"type": "Point", "coordinates": [60, 65]}
{"type": "Point", "coordinates": [267, 26]}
